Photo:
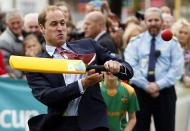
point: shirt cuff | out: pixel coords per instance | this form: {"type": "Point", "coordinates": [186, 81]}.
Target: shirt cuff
{"type": "Point", "coordinates": [80, 87]}
{"type": "Point", "coordinates": [161, 84]}
{"type": "Point", "coordinates": [124, 69]}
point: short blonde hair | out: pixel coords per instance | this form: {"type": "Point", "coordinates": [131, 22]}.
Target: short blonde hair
{"type": "Point", "coordinates": [180, 24]}
{"type": "Point", "coordinates": [131, 19]}
{"type": "Point", "coordinates": [129, 33]}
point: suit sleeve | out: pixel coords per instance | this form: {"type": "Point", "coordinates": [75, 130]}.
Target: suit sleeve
{"type": "Point", "coordinates": [108, 44]}
{"type": "Point", "coordinates": [104, 55]}
{"type": "Point", "coordinates": [49, 94]}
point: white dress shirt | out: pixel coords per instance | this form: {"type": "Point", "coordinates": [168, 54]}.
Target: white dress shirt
{"type": "Point", "coordinates": [72, 109]}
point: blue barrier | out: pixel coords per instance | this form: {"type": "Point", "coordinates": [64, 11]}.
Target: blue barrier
{"type": "Point", "coordinates": [17, 105]}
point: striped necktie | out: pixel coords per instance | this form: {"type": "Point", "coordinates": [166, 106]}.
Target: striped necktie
{"type": "Point", "coordinates": [152, 62]}
{"type": "Point", "coordinates": [86, 58]}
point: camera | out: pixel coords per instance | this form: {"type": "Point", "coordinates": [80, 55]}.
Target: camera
{"type": "Point", "coordinates": [139, 15]}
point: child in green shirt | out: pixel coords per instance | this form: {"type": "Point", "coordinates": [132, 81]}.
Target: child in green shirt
{"type": "Point", "coordinates": [120, 98]}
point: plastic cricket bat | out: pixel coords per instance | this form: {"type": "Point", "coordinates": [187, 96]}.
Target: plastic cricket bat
{"type": "Point", "coordinates": [49, 65]}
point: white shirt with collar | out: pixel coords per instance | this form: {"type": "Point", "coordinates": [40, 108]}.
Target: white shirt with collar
{"type": "Point", "coordinates": [72, 109]}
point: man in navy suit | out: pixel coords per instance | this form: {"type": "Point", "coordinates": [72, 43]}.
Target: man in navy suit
{"type": "Point", "coordinates": [95, 28]}
{"type": "Point", "coordinates": [74, 101]}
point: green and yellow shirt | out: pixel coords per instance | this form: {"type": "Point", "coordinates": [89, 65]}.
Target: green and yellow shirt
{"type": "Point", "coordinates": [118, 102]}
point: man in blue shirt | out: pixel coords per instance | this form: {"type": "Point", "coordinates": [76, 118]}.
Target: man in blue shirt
{"type": "Point", "coordinates": [157, 65]}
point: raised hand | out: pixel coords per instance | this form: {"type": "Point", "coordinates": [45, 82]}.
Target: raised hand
{"type": "Point", "coordinates": [91, 78]}
{"type": "Point", "coordinates": [112, 66]}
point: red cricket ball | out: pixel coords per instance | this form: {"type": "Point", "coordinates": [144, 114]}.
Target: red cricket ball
{"type": "Point", "coordinates": [166, 34]}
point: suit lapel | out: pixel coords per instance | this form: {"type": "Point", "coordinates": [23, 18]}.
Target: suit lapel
{"type": "Point", "coordinates": [76, 47]}
{"type": "Point", "coordinates": [59, 77]}
{"type": "Point", "coordinates": [72, 47]}
{"type": "Point", "coordinates": [46, 55]}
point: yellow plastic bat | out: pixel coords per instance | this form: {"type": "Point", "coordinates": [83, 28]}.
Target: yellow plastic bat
{"type": "Point", "coordinates": [47, 65]}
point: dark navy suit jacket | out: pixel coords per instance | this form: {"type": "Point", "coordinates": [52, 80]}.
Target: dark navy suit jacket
{"type": "Point", "coordinates": [51, 90]}
{"type": "Point", "coordinates": [107, 42]}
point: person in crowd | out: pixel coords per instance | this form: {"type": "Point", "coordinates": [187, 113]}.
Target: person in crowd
{"type": "Point", "coordinates": [116, 34]}
{"type": "Point", "coordinates": [93, 5]}
{"type": "Point", "coordinates": [72, 32]}
{"type": "Point", "coordinates": [66, 10]}
{"type": "Point", "coordinates": [157, 65]}
{"type": "Point", "coordinates": [105, 7]}
{"type": "Point", "coordinates": [131, 19]}
{"type": "Point", "coordinates": [115, 30]}
{"type": "Point", "coordinates": [130, 32]}
{"type": "Point", "coordinates": [11, 41]}
{"type": "Point", "coordinates": [98, 5]}
{"type": "Point", "coordinates": [112, 21]}
{"type": "Point", "coordinates": [3, 72]}
{"type": "Point", "coordinates": [31, 26]}
{"type": "Point", "coordinates": [168, 21]}
{"type": "Point", "coordinates": [181, 30]}
{"type": "Point", "coordinates": [31, 23]}
{"type": "Point", "coordinates": [140, 16]}
{"type": "Point", "coordinates": [165, 9]}
{"type": "Point", "coordinates": [2, 22]}
{"type": "Point", "coordinates": [95, 27]}
{"type": "Point", "coordinates": [89, 7]}
{"type": "Point", "coordinates": [72, 99]}
{"type": "Point", "coordinates": [120, 99]}
{"type": "Point", "coordinates": [32, 46]}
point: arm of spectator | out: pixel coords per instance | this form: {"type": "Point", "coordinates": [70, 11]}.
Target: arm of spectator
{"type": "Point", "coordinates": [131, 122]}
{"type": "Point", "coordinates": [175, 70]}
{"type": "Point", "coordinates": [131, 56]}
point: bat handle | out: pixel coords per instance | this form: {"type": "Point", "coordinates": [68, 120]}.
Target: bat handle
{"type": "Point", "coordinates": [99, 68]}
